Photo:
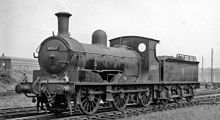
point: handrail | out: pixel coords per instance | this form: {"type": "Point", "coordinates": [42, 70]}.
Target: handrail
{"type": "Point", "coordinates": [35, 82]}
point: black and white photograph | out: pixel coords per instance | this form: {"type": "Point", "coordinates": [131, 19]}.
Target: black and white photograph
{"type": "Point", "coordinates": [109, 60]}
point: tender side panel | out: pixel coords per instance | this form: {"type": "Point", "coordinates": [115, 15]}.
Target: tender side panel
{"type": "Point", "coordinates": [174, 70]}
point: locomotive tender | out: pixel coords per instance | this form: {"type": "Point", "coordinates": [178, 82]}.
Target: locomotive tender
{"type": "Point", "coordinates": [87, 76]}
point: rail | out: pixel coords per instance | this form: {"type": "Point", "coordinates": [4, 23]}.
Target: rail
{"type": "Point", "coordinates": [105, 113]}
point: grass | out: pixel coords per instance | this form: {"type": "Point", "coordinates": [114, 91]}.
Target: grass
{"type": "Point", "coordinates": [7, 84]}
{"type": "Point", "coordinates": [204, 112]}
{"type": "Point", "coordinates": [18, 100]}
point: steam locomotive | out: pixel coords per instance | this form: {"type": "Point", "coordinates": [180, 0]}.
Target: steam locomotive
{"type": "Point", "coordinates": [88, 76]}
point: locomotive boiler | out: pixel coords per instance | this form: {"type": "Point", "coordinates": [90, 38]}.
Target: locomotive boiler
{"type": "Point", "coordinates": [87, 76]}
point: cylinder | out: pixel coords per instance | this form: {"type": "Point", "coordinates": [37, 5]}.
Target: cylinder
{"type": "Point", "coordinates": [63, 23]}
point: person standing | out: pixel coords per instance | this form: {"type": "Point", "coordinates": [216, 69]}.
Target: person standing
{"type": "Point", "coordinates": [24, 78]}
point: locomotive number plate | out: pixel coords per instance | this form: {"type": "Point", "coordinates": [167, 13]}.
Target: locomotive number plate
{"type": "Point", "coordinates": [52, 48]}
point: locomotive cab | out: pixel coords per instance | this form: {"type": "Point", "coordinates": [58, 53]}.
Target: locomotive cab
{"type": "Point", "coordinates": [146, 49]}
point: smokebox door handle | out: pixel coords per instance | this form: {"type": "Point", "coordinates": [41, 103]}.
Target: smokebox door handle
{"type": "Point", "coordinates": [35, 55]}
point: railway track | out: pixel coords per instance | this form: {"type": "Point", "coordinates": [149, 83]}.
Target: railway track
{"type": "Point", "coordinates": [19, 112]}
{"type": "Point", "coordinates": [207, 92]}
{"type": "Point", "coordinates": [106, 113]}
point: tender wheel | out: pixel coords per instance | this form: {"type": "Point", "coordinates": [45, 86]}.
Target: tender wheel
{"type": "Point", "coordinates": [177, 99]}
{"type": "Point", "coordinates": [164, 101]}
{"type": "Point", "coordinates": [88, 103]}
{"type": "Point", "coordinates": [145, 98]}
{"type": "Point", "coordinates": [189, 98]}
{"type": "Point", "coordinates": [120, 101]}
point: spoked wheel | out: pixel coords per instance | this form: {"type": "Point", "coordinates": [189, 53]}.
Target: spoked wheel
{"type": "Point", "coordinates": [88, 103]}
{"type": "Point", "coordinates": [177, 99]}
{"type": "Point", "coordinates": [120, 101]}
{"type": "Point", "coordinates": [145, 98]}
{"type": "Point", "coordinates": [164, 101]}
{"type": "Point", "coordinates": [189, 98]}
{"type": "Point", "coordinates": [190, 92]}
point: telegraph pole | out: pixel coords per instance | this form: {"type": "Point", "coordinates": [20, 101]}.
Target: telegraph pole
{"type": "Point", "coordinates": [212, 66]}
{"type": "Point", "coordinates": [202, 70]}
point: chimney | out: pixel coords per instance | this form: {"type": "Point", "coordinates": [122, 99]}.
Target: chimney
{"type": "Point", "coordinates": [63, 23]}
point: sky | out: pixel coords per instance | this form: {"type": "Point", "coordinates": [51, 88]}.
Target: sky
{"type": "Point", "coordinates": [189, 27]}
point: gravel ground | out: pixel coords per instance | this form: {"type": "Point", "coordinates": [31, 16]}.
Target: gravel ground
{"type": "Point", "coordinates": [18, 100]}
{"type": "Point", "coordinates": [204, 112]}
